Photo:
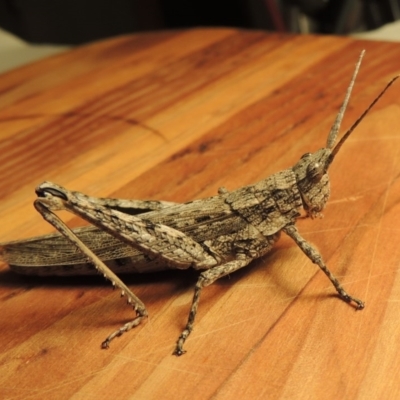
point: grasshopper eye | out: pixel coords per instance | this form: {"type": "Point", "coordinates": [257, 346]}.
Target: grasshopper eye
{"type": "Point", "coordinates": [315, 172]}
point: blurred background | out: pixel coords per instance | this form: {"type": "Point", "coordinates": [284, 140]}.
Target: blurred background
{"type": "Point", "coordinates": [71, 22]}
{"type": "Point", "coordinates": [78, 21]}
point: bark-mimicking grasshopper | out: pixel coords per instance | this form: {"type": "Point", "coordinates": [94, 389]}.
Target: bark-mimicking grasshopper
{"type": "Point", "coordinates": [218, 234]}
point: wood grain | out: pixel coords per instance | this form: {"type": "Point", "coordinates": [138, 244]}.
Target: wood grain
{"type": "Point", "coordinates": [173, 116]}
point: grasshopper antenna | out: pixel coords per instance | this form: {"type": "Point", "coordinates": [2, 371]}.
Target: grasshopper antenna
{"type": "Point", "coordinates": [338, 120]}
{"type": "Point", "coordinates": [359, 119]}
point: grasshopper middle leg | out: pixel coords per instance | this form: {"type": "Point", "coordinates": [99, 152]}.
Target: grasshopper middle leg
{"type": "Point", "coordinates": [206, 278]}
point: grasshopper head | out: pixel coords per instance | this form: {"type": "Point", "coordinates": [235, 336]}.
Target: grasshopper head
{"type": "Point", "coordinates": [313, 181]}
{"type": "Point", "coordinates": [311, 170]}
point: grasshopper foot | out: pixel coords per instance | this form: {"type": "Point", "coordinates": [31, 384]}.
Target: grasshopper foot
{"type": "Point", "coordinates": [125, 328]}
{"type": "Point", "coordinates": [178, 351]}
{"type": "Point", "coordinates": [348, 299]}
{"type": "Point", "coordinates": [179, 344]}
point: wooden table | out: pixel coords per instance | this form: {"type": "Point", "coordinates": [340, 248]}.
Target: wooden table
{"type": "Point", "coordinates": [173, 116]}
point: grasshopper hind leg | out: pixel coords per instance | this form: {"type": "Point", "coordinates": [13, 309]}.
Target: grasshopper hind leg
{"type": "Point", "coordinates": [132, 299]}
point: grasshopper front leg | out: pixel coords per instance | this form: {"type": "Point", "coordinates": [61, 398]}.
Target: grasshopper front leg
{"type": "Point", "coordinates": [316, 258]}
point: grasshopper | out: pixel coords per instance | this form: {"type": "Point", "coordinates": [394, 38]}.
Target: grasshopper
{"type": "Point", "coordinates": [217, 235]}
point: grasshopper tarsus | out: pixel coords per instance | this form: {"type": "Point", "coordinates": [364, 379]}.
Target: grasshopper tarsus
{"type": "Point", "coordinates": [183, 336]}
{"type": "Point", "coordinates": [124, 328]}
{"type": "Point", "coordinates": [105, 344]}
{"type": "Point", "coordinates": [179, 344]}
{"type": "Point", "coordinates": [179, 352]}
{"type": "Point", "coordinates": [359, 304]}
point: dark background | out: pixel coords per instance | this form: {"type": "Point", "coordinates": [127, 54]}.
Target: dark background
{"type": "Point", "coordinates": [79, 21]}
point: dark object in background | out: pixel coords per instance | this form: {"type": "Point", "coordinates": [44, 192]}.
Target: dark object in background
{"type": "Point", "coordinates": [339, 16]}
{"type": "Point", "coordinates": [79, 21]}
